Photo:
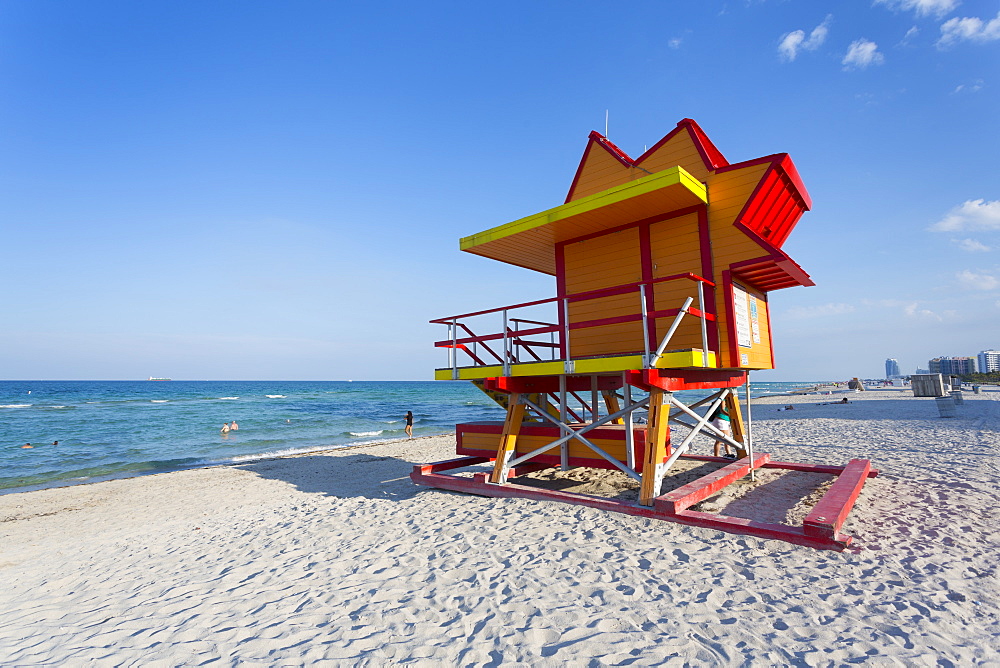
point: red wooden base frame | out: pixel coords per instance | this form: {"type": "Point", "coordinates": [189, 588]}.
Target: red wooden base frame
{"type": "Point", "coordinates": [820, 529]}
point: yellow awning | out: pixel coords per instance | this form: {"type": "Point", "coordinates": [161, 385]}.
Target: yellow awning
{"type": "Point", "coordinates": [530, 242]}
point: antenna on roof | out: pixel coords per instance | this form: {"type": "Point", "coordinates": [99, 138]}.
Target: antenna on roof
{"type": "Point", "coordinates": [605, 122]}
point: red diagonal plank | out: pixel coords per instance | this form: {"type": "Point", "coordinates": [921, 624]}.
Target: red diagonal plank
{"type": "Point", "coordinates": [829, 514]}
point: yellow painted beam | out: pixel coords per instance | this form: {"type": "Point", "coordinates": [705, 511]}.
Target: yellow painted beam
{"type": "Point", "coordinates": [657, 433]}
{"type": "Point", "coordinates": [508, 438]}
{"type": "Point", "coordinates": [680, 359]}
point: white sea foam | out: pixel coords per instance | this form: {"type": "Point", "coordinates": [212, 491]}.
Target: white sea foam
{"type": "Point", "coordinates": [366, 433]}
{"type": "Point", "coordinates": [288, 452]}
{"type": "Point", "coordinates": [15, 405]}
{"type": "Point", "coordinates": [275, 396]}
{"type": "Point", "coordinates": [228, 398]}
{"type": "Point", "coordinates": [158, 401]}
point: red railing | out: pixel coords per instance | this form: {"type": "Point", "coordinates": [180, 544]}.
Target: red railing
{"type": "Point", "coordinates": [514, 338]}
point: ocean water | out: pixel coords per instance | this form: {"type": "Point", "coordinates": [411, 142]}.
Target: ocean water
{"type": "Point", "coordinates": [114, 429]}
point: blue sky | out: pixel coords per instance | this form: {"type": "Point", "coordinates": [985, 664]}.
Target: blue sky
{"type": "Point", "coordinates": [250, 190]}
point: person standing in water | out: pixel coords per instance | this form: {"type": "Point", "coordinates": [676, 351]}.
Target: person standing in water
{"type": "Point", "coordinates": [409, 424]}
{"type": "Point", "coordinates": [234, 426]}
{"type": "Point", "coordinates": [225, 428]}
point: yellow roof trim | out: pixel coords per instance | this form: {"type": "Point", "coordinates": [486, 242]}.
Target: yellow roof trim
{"type": "Point", "coordinates": [674, 176]}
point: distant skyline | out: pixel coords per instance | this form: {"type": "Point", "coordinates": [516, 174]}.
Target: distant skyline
{"type": "Point", "coordinates": [251, 190]}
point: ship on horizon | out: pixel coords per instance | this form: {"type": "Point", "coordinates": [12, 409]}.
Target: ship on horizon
{"type": "Point", "coordinates": [151, 378]}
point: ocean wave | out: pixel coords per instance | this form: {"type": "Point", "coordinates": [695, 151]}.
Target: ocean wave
{"type": "Point", "coordinates": [159, 401]}
{"type": "Point", "coordinates": [15, 405]}
{"type": "Point", "coordinates": [271, 454]}
{"type": "Point", "coordinates": [366, 433]}
{"type": "Point", "coordinates": [228, 398]}
{"type": "Point", "coordinates": [275, 396]}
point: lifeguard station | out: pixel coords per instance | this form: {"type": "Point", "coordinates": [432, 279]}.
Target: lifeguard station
{"type": "Point", "coordinates": [663, 268]}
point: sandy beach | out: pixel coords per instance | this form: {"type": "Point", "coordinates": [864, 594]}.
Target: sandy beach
{"type": "Point", "coordinates": [339, 558]}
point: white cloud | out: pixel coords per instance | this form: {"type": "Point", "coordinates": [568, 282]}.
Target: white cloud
{"type": "Point", "coordinates": [675, 43]}
{"type": "Point", "coordinates": [971, 245]}
{"type": "Point", "coordinates": [974, 214]}
{"type": "Point", "coordinates": [970, 29]}
{"type": "Point", "coordinates": [791, 43]}
{"type": "Point", "coordinates": [910, 34]}
{"type": "Point", "coordinates": [819, 311]}
{"type": "Point", "coordinates": [973, 87]}
{"type": "Point", "coordinates": [913, 310]}
{"type": "Point", "coordinates": [921, 7]}
{"type": "Point", "coordinates": [861, 54]}
{"type": "Point", "coordinates": [973, 281]}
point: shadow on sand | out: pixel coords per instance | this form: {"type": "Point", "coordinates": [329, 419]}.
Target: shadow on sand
{"type": "Point", "coordinates": [354, 475]}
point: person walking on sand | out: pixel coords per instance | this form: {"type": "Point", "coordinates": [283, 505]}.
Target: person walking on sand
{"type": "Point", "coordinates": [720, 420]}
{"type": "Point", "coordinates": [409, 424]}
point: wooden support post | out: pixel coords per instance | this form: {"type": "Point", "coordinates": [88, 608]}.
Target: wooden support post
{"type": "Point", "coordinates": [657, 433]}
{"type": "Point", "coordinates": [736, 422]}
{"type": "Point", "coordinates": [611, 401]}
{"type": "Point", "coordinates": [508, 438]}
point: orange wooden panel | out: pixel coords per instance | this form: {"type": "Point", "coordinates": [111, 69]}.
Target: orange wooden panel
{"type": "Point", "coordinates": [602, 262]}
{"type": "Point", "coordinates": [605, 307]}
{"type": "Point", "coordinates": [687, 336]}
{"type": "Point", "coordinates": [680, 150]}
{"type": "Point", "coordinates": [600, 172]}
{"type": "Point", "coordinates": [526, 443]}
{"type": "Point", "coordinates": [606, 340]}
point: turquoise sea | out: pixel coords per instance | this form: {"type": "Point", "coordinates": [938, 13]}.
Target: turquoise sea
{"type": "Point", "coordinates": [114, 429]}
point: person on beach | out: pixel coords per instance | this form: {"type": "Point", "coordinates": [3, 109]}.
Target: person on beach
{"type": "Point", "coordinates": [233, 426]}
{"type": "Point", "coordinates": [720, 420]}
{"type": "Point", "coordinates": [409, 424]}
{"type": "Point", "coordinates": [225, 428]}
{"type": "Point", "coordinates": [834, 403]}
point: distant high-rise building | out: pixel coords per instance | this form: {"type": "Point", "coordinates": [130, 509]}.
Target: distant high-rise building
{"type": "Point", "coordinates": [891, 368]}
{"type": "Point", "coordinates": [989, 361]}
{"type": "Point", "coordinates": [953, 366]}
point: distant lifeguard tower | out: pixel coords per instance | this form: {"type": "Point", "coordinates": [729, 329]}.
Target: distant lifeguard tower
{"type": "Point", "coordinates": [663, 267]}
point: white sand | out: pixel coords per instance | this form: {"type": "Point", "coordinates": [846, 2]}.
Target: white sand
{"type": "Point", "coordinates": [339, 557]}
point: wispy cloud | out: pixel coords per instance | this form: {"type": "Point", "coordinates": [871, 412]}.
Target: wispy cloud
{"type": "Point", "coordinates": [969, 29]}
{"type": "Point", "coordinates": [973, 214]}
{"type": "Point", "coordinates": [921, 7]}
{"type": "Point", "coordinates": [819, 311]}
{"type": "Point", "coordinates": [971, 245]}
{"type": "Point", "coordinates": [675, 43]}
{"type": "Point", "coordinates": [913, 310]}
{"type": "Point", "coordinates": [861, 54]}
{"type": "Point", "coordinates": [974, 281]}
{"type": "Point", "coordinates": [910, 34]}
{"type": "Point", "coordinates": [793, 42]}
{"type": "Point", "coordinates": [973, 87]}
